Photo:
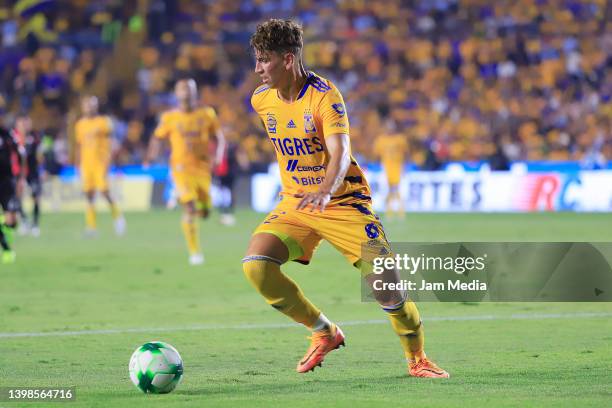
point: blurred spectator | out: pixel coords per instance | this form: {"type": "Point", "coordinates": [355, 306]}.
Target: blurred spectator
{"type": "Point", "coordinates": [452, 73]}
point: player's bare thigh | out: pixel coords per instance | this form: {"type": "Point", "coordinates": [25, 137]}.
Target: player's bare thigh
{"type": "Point", "coordinates": [267, 244]}
{"type": "Point", "coordinates": [190, 209]}
{"type": "Point", "coordinates": [10, 217]}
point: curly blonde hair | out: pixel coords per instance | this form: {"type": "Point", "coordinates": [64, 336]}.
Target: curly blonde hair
{"type": "Point", "coordinates": [280, 36]}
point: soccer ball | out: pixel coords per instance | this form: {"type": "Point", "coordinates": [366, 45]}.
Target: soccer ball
{"type": "Point", "coordinates": [156, 367]}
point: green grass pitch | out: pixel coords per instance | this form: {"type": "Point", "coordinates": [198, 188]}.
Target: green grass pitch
{"type": "Point", "coordinates": [240, 352]}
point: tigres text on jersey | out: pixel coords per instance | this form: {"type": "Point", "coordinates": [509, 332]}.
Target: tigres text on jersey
{"type": "Point", "coordinates": [298, 130]}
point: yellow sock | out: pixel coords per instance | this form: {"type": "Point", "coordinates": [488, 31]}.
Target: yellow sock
{"type": "Point", "coordinates": [280, 291]}
{"type": "Point", "coordinates": [115, 212]}
{"type": "Point", "coordinates": [406, 323]}
{"type": "Point", "coordinates": [192, 235]}
{"type": "Point", "coordinates": [90, 217]}
{"type": "Point", "coordinates": [397, 201]}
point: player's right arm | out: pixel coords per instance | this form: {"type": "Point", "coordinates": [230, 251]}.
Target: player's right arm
{"type": "Point", "coordinates": [332, 113]}
{"type": "Point", "coordinates": [338, 148]}
{"type": "Point", "coordinates": [378, 147]}
{"type": "Point", "coordinates": [78, 138]}
{"type": "Point", "coordinates": [217, 133]}
{"type": "Point", "coordinates": [160, 134]}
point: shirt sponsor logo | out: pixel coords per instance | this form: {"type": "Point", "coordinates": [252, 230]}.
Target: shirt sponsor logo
{"type": "Point", "coordinates": [339, 108]}
{"type": "Point", "coordinates": [271, 123]}
{"type": "Point", "coordinates": [291, 124]}
{"type": "Point", "coordinates": [308, 181]}
{"type": "Point", "coordinates": [292, 165]}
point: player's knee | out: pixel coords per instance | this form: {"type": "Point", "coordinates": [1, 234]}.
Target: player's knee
{"type": "Point", "coordinates": [12, 224]}
{"type": "Point", "coordinates": [270, 245]}
{"type": "Point", "coordinates": [10, 220]}
{"type": "Point", "coordinates": [392, 302]}
{"type": "Point", "coordinates": [257, 268]}
{"type": "Point", "coordinates": [106, 194]}
{"type": "Point", "coordinates": [189, 216]}
{"type": "Point", "coordinates": [190, 211]}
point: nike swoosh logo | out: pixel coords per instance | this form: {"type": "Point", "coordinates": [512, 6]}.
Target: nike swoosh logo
{"type": "Point", "coordinates": [310, 355]}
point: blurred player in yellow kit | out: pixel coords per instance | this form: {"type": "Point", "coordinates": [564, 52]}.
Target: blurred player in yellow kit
{"type": "Point", "coordinates": [391, 148]}
{"type": "Point", "coordinates": [324, 196]}
{"type": "Point", "coordinates": [94, 134]}
{"type": "Point", "coordinates": [189, 130]}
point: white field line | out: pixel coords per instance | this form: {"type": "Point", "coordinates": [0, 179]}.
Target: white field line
{"type": "Point", "coordinates": [68, 333]}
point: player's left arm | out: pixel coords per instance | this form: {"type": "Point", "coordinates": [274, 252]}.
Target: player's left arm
{"type": "Point", "coordinates": [216, 132]}
{"type": "Point", "coordinates": [114, 143]}
{"type": "Point", "coordinates": [156, 140]}
{"type": "Point", "coordinates": [220, 139]}
{"type": "Point", "coordinates": [338, 148]}
{"type": "Point", "coordinates": [332, 114]}
{"type": "Point", "coordinates": [21, 177]}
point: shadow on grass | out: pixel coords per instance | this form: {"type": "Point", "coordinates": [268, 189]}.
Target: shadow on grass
{"type": "Point", "coordinates": [311, 386]}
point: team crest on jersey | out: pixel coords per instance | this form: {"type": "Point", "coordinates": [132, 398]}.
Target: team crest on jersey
{"type": "Point", "coordinates": [271, 123]}
{"type": "Point", "coordinates": [309, 126]}
{"type": "Point", "coordinates": [339, 108]}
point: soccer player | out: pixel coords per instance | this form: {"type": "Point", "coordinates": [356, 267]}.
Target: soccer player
{"type": "Point", "coordinates": [232, 162]}
{"type": "Point", "coordinates": [93, 157]}
{"type": "Point", "coordinates": [324, 196]}
{"type": "Point", "coordinates": [30, 141]}
{"type": "Point", "coordinates": [189, 130]}
{"type": "Point", "coordinates": [391, 148]}
{"type": "Point", "coordinates": [11, 181]}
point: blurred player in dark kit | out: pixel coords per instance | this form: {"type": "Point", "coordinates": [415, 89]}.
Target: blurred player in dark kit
{"type": "Point", "coordinates": [30, 142]}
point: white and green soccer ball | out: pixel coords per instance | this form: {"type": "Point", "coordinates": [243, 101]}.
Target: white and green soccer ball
{"type": "Point", "coordinates": [156, 367]}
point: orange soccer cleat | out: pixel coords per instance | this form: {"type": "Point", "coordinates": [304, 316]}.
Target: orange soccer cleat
{"type": "Point", "coordinates": [426, 368]}
{"type": "Point", "coordinates": [321, 343]}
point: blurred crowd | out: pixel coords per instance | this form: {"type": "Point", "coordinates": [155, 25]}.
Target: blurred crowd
{"type": "Point", "coordinates": [464, 80]}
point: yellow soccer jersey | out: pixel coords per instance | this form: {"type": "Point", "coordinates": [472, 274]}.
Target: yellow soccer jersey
{"type": "Point", "coordinates": [93, 135]}
{"type": "Point", "coordinates": [189, 134]}
{"type": "Point", "coordinates": [297, 131]}
{"type": "Point", "coordinates": [391, 149]}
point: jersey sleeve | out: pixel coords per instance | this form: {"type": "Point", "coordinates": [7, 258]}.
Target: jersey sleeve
{"type": "Point", "coordinates": [214, 120]}
{"type": "Point", "coordinates": [332, 113]}
{"type": "Point", "coordinates": [108, 126]}
{"type": "Point", "coordinates": [78, 132]}
{"type": "Point", "coordinates": [163, 127]}
{"type": "Point", "coordinates": [378, 146]}
{"type": "Point", "coordinates": [258, 96]}
{"type": "Point", "coordinates": [405, 146]}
